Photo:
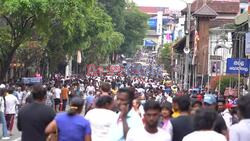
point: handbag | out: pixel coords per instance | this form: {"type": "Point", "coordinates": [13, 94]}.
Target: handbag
{"type": "Point", "coordinates": [53, 136]}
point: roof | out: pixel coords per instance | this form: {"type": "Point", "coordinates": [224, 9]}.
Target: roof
{"type": "Point", "coordinates": [206, 11]}
{"type": "Point", "coordinates": [219, 22]}
{"type": "Point", "coordinates": [219, 6]}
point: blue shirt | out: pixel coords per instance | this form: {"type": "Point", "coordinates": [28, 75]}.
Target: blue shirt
{"type": "Point", "coordinates": [72, 128]}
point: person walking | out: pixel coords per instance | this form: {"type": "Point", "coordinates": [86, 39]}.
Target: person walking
{"type": "Point", "coordinates": [33, 118]}
{"type": "Point", "coordinates": [241, 130]}
{"type": "Point", "coordinates": [101, 126]}
{"type": "Point", "coordinates": [183, 124]}
{"type": "Point", "coordinates": [166, 115]}
{"type": "Point", "coordinates": [64, 96]}
{"type": "Point", "coordinates": [150, 131]}
{"type": "Point", "coordinates": [57, 97]}
{"type": "Point", "coordinates": [204, 120]}
{"type": "Point", "coordinates": [10, 110]}
{"type": "Point", "coordinates": [71, 126]}
{"type": "Point", "coordinates": [126, 118]}
{"type": "Point", "coordinates": [2, 116]}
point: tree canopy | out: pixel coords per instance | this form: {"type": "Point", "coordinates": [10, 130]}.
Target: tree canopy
{"type": "Point", "coordinates": [97, 28]}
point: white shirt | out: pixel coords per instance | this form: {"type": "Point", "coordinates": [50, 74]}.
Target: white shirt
{"type": "Point", "coordinates": [57, 93]}
{"type": "Point", "coordinates": [116, 132]}
{"type": "Point", "coordinates": [240, 131]}
{"type": "Point", "coordinates": [1, 104]}
{"type": "Point", "coordinates": [204, 136]}
{"type": "Point", "coordinates": [227, 117]}
{"type": "Point", "coordinates": [101, 121]}
{"type": "Point", "coordinates": [11, 102]}
{"type": "Point", "coordinates": [140, 134]}
{"type": "Point", "coordinates": [90, 88]}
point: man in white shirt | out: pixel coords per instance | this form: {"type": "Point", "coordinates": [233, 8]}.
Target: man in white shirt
{"type": "Point", "coordinates": [90, 88]}
{"type": "Point", "coordinates": [57, 96]}
{"type": "Point", "coordinates": [204, 120]}
{"type": "Point", "coordinates": [150, 132]}
{"type": "Point", "coordinates": [224, 112]}
{"type": "Point", "coordinates": [101, 118]}
{"type": "Point", "coordinates": [10, 111]}
{"type": "Point", "coordinates": [241, 130]}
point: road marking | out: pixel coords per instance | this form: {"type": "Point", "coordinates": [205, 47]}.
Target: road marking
{"type": "Point", "coordinates": [18, 139]}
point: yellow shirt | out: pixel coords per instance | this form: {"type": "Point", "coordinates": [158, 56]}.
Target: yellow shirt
{"type": "Point", "coordinates": [176, 114]}
{"type": "Point", "coordinates": [114, 91]}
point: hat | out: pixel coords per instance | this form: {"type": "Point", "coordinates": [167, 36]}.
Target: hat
{"type": "Point", "coordinates": [209, 99]}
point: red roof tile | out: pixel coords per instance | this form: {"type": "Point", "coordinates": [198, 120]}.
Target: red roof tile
{"type": "Point", "coordinates": [221, 7]}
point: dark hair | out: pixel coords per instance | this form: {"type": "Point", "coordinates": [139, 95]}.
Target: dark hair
{"type": "Point", "coordinates": [244, 106]}
{"type": "Point", "coordinates": [2, 91]}
{"type": "Point", "coordinates": [38, 92]}
{"type": "Point", "coordinates": [183, 103]}
{"type": "Point", "coordinates": [105, 87]}
{"type": "Point", "coordinates": [76, 106]}
{"type": "Point", "coordinates": [11, 90]}
{"type": "Point", "coordinates": [204, 119]}
{"type": "Point", "coordinates": [196, 102]}
{"type": "Point", "coordinates": [152, 105]}
{"type": "Point", "coordinates": [167, 105]}
{"type": "Point", "coordinates": [103, 100]}
{"type": "Point", "coordinates": [130, 94]}
{"type": "Point", "coordinates": [29, 99]}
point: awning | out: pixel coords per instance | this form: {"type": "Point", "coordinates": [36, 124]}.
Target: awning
{"type": "Point", "coordinates": [180, 44]}
{"type": "Point", "coordinates": [149, 43]}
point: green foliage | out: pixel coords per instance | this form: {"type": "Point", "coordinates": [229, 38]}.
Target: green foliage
{"type": "Point", "coordinates": [101, 37]}
{"type": "Point", "coordinates": [115, 9]}
{"type": "Point", "coordinates": [227, 81]}
{"type": "Point", "coordinates": [135, 30]}
{"type": "Point", "coordinates": [165, 56]}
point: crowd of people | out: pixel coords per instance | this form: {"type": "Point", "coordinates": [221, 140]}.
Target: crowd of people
{"type": "Point", "coordinates": [120, 109]}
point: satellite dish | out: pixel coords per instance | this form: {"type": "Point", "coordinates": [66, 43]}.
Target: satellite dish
{"type": "Point", "coordinates": [186, 50]}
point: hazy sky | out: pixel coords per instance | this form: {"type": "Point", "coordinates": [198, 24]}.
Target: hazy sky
{"type": "Point", "coordinates": [172, 4]}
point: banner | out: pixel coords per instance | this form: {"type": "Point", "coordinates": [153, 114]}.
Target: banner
{"type": "Point", "coordinates": [32, 80]}
{"type": "Point", "coordinates": [247, 46]}
{"type": "Point", "coordinates": [233, 65]}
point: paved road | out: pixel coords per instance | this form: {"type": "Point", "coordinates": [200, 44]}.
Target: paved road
{"type": "Point", "coordinates": [16, 134]}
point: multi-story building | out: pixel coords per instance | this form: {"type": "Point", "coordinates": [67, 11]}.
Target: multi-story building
{"type": "Point", "coordinates": [162, 25]}
{"type": "Point", "coordinates": [209, 23]}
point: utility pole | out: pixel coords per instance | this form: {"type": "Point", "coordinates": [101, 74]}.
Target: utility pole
{"type": "Point", "coordinates": [187, 49]}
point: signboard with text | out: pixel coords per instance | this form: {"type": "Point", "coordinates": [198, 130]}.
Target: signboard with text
{"type": "Point", "coordinates": [234, 64]}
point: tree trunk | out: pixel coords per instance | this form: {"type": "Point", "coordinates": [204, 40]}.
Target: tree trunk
{"type": "Point", "coordinates": [6, 59]}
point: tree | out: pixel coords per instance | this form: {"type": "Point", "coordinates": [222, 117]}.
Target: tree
{"type": "Point", "coordinates": [101, 37]}
{"type": "Point", "coordinates": [165, 56]}
{"type": "Point", "coordinates": [135, 30]}
{"type": "Point", "coordinates": [129, 21]}
{"type": "Point", "coordinates": [23, 20]}
{"type": "Point", "coordinates": [227, 81]}
{"type": "Point", "coordinates": [96, 39]}
{"type": "Point", "coordinates": [115, 9]}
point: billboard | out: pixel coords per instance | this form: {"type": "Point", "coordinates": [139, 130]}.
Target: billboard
{"type": "Point", "coordinates": [233, 65]}
{"type": "Point", "coordinates": [152, 23]}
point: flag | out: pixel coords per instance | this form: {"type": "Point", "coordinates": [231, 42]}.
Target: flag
{"type": "Point", "coordinates": [196, 39]}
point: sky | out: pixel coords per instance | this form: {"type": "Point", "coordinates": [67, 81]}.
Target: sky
{"type": "Point", "coordinates": [172, 4]}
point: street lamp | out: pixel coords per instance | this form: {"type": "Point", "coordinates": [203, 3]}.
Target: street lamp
{"type": "Point", "coordinates": [187, 48]}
